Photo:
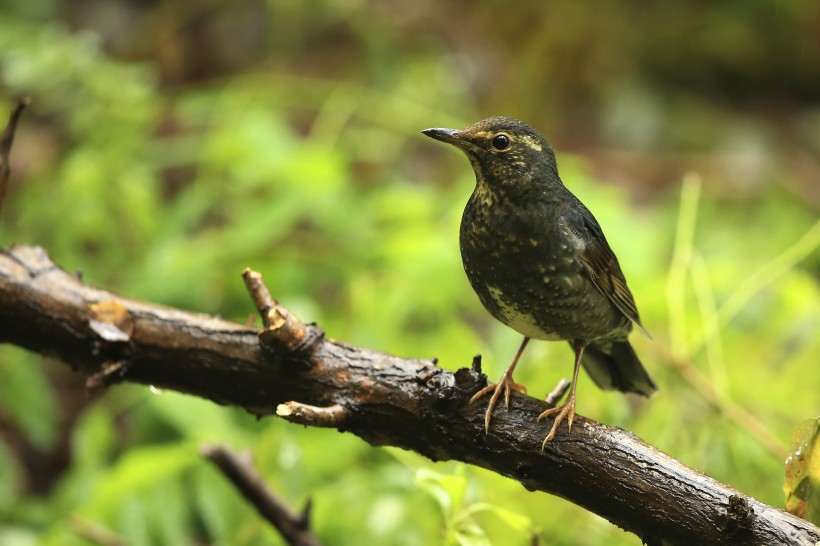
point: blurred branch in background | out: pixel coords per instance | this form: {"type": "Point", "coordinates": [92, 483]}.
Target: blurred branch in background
{"type": "Point", "coordinates": [6, 141]}
{"type": "Point", "coordinates": [239, 469]}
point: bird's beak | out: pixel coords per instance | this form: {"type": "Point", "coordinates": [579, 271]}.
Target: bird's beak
{"type": "Point", "coordinates": [450, 136]}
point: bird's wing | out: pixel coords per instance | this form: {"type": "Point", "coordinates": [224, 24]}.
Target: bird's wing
{"type": "Point", "coordinates": [601, 265]}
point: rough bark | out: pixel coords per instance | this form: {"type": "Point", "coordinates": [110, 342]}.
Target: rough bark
{"type": "Point", "coordinates": [386, 400]}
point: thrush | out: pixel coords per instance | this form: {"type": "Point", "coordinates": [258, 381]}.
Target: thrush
{"type": "Point", "coordinates": [539, 262]}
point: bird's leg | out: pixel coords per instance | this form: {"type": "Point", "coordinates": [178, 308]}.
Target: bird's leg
{"type": "Point", "coordinates": [505, 385]}
{"type": "Point", "coordinates": [567, 409]}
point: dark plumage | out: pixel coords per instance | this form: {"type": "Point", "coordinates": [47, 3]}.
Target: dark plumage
{"type": "Point", "coordinates": [539, 262]}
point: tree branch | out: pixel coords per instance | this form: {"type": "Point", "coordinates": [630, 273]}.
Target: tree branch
{"type": "Point", "coordinates": [294, 528]}
{"type": "Point", "coordinates": [383, 399]}
{"type": "Point", "coordinates": [6, 141]}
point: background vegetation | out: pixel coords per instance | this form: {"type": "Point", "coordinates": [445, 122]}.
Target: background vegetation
{"type": "Point", "coordinates": [172, 143]}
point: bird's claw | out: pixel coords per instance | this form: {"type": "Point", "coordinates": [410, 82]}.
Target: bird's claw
{"type": "Point", "coordinates": [564, 411]}
{"type": "Point", "coordinates": [505, 384]}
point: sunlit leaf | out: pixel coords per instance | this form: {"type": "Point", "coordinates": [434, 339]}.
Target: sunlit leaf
{"type": "Point", "coordinates": [516, 521]}
{"type": "Point", "coordinates": [447, 489]}
{"type": "Point", "coordinates": [802, 485]}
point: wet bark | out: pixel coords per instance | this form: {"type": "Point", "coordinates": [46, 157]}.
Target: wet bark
{"type": "Point", "coordinates": [293, 370]}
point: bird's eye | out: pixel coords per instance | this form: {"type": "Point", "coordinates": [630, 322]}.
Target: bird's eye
{"type": "Point", "coordinates": [501, 142]}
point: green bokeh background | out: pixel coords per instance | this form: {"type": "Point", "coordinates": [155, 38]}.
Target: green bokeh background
{"type": "Point", "coordinates": [172, 143]}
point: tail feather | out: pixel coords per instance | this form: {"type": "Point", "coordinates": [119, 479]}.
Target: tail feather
{"type": "Point", "coordinates": [615, 366]}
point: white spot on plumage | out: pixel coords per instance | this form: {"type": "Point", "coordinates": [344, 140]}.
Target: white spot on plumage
{"type": "Point", "coordinates": [570, 281]}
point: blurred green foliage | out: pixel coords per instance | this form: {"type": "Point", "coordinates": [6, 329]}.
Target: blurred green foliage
{"type": "Point", "coordinates": [295, 150]}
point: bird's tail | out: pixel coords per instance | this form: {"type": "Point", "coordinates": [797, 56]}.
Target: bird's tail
{"type": "Point", "coordinates": [615, 366]}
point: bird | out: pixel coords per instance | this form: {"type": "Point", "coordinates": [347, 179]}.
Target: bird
{"type": "Point", "coordinates": [539, 262]}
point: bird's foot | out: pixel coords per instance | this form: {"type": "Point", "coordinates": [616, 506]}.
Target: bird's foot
{"type": "Point", "coordinates": [505, 385]}
{"type": "Point", "coordinates": [566, 410]}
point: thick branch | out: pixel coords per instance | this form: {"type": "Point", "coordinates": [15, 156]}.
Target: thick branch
{"type": "Point", "coordinates": [383, 399]}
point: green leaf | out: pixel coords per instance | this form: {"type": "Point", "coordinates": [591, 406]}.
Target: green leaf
{"type": "Point", "coordinates": [195, 418]}
{"type": "Point", "coordinates": [471, 535]}
{"type": "Point", "coordinates": [9, 480]}
{"type": "Point", "coordinates": [217, 504]}
{"type": "Point", "coordinates": [26, 396]}
{"type": "Point", "coordinates": [92, 445]}
{"type": "Point", "coordinates": [447, 489]}
{"type": "Point", "coordinates": [138, 470]}
{"type": "Point", "coordinates": [168, 513]}
{"type": "Point", "coordinates": [93, 438]}
{"type": "Point", "coordinates": [515, 520]}
{"type": "Point", "coordinates": [802, 485]}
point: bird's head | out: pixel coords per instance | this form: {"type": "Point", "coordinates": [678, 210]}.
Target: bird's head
{"type": "Point", "coordinates": [504, 152]}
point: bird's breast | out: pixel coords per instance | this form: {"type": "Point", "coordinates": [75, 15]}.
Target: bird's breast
{"type": "Point", "coordinates": [525, 269]}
